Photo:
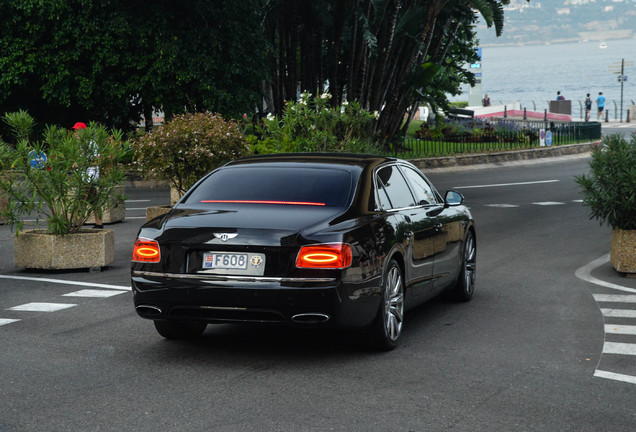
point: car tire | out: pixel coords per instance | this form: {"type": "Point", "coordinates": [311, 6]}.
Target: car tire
{"type": "Point", "coordinates": [387, 326]}
{"type": "Point", "coordinates": [180, 330]}
{"type": "Point", "coordinates": [465, 287]}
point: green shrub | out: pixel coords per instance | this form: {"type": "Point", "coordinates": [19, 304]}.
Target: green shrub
{"type": "Point", "coordinates": [189, 146]}
{"type": "Point", "coordinates": [313, 125]}
{"type": "Point", "coordinates": [21, 124]}
{"type": "Point", "coordinates": [609, 190]}
{"type": "Point", "coordinates": [58, 186]}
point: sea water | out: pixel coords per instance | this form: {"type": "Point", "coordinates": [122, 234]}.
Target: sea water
{"type": "Point", "coordinates": [532, 74]}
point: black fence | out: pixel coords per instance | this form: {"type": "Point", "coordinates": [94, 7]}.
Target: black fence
{"type": "Point", "coordinates": [491, 135]}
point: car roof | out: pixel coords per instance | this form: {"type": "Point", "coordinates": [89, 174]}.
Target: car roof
{"type": "Point", "coordinates": [343, 159]}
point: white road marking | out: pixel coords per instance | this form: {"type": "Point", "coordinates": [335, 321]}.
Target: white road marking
{"type": "Point", "coordinates": [94, 293]}
{"type": "Point", "coordinates": [4, 321]}
{"type": "Point", "coordinates": [136, 201]}
{"type": "Point", "coordinates": [548, 203]}
{"type": "Point", "coordinates": [619, 313]}
{"type": "Point", "coordinates": [67, 282]}
{"type": "Point", "coordinates": [620, 329]}
{"type": "Point", "coordinates": [502, 205]}
{"type": "Point", "coordinates": [619, 348]}
{"type": "Point", "coordinates": [137, 208]}
{"type": "Point", "coordinates": [615, 298]}
{"type": "Point", "coordinates": [42, 307]}
{"type": "Point", "coordinates": [507, 184]}
{"type": "Point", "coordinates": [615, 376]}
{"type": "Point", "coordinates": [585, 273]}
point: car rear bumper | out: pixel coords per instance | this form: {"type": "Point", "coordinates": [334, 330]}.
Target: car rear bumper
{"type": "Point", "coordinates": [291, 301]}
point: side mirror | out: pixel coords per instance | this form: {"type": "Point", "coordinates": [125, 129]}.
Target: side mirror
{"type": "Point", "coordinates": [453, 198]}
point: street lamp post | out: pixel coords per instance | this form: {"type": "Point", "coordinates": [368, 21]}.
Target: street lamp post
{"type": "Point", "coordinates": [620, 70]}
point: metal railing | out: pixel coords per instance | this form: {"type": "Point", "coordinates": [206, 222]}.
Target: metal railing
{"type": "Point", "coordinates": [498, 135]}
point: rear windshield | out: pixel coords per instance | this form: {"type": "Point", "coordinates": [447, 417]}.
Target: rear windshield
{"type": "Point", "coordinates": [322, 187]}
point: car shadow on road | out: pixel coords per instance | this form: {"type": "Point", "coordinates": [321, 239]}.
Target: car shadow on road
{"type": "Point", "coordinates": [281, 343]}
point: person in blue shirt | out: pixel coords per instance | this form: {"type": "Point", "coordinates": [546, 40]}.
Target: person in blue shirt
{"type": "Point", "coordinates": [600, 102]}
{"type": "Point", "coordinates": [560, 96]}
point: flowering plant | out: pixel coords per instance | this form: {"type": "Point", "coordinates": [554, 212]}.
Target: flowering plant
{"type": "Point", "coordinates": [189, 146]}
{"type": "Point", "coordinates": [313, 125]}
{"type": "Point", "coordinates": [52, 178]}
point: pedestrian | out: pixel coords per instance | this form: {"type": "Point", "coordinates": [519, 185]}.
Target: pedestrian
{"type": "Point", "coordinates": [600, 102]}
{"type": "Point", "coordinates": [486, 100]}
{"type": "Point", "coordinates": [588, 107]}
{"type": "Point", "coordinates": [560, 97]}
{"type": "Point", "coordinates": [92, 175]}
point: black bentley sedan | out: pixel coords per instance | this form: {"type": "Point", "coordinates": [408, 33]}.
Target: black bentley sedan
{"type": "Point", "coordinates": [343, 240]}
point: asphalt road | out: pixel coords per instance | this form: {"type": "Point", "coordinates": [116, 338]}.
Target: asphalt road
{"type": "Point", "coordinates": [524, 355]}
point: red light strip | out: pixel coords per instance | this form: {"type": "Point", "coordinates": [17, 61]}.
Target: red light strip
{"type": "Point", "coordinates": [263, 202]}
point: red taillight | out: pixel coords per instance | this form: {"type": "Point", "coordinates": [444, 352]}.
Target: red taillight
{"type": "Point", "coordinates": [298, 203]}
{"type": "Point", "coordinates": [325, 256]}
{"type": "Point", "coordinates": [146, 251]}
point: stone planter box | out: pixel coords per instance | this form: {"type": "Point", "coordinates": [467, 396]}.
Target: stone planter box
{"type": "Point", "coordinates": [154, 211]}
{"type": "Point", "coordinates": [88, 248]}
{"type": "Point", "coordinates": [175, 195]}
{"type": "Point", "coordinates": [116, 212]}
{"type": "Point", "coordinates": [623, 251]}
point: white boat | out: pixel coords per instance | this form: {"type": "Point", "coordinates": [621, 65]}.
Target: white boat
{"type": "Point", "coordinates": [602, 45]}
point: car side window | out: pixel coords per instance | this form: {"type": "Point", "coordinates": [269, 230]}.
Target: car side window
{"type": "Point", "coordinates": [423, 191]}
{"type": "Point", "coordinates": [393, 191]}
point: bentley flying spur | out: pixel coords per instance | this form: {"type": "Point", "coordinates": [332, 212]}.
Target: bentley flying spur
{"type": "Point", "coordinates": [312, 240]}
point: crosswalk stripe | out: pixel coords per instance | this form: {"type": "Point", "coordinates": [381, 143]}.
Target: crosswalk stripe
{"type": "Point", "coordinates": [619, 348]}
{"type": "Point", "coordinates": [618, 313]}
{"type": "Point", "coordinates": [66, 282]}
{"type": "Point", "coordinates": [615, 298]}
{"type": "Point", "coordinates": [93, 293]}
{"type": "Point", "coordinates": [4, 321]}
{"type": "Point", "coordinates": [620, 329]}
{"type": "Point", "coordinates": [615, 376]}
{"type": "Point", "coordinates": [41, 307]}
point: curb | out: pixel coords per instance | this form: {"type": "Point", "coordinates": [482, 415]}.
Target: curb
{"type": "Point", "coordinates": [499, 157]}
{"type": "Point", "coordinates": [134, 180]}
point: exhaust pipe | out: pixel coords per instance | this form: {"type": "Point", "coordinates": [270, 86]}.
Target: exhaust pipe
{"type": "Point", "coordinates": [310, 318]}
{"type": "Point", "coordinates": [148, 310]}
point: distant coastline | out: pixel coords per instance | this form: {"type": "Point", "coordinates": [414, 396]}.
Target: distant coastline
{"type": "Point", "coordinates": [596, 38]}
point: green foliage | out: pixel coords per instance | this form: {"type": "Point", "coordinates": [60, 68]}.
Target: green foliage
{"type": "Point", "coordinates": [312, 125]}
{"type": "Point", "coordinates": [460, 104]}
{"type": "Point", "coordinates": [112, 61]}
{"type": "Point", "coordinates": [62, 189]}
{"type": "Point", "coordinates": [609, 190]}
{"type": "Point", "coordinates": [189, 146]}
{"type": "Point", "coordinates": [20, 123]}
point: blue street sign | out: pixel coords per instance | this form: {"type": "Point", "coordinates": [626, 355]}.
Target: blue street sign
{"type": "Point", "coordinates": [548, 138]}
{"type": "Point", "coordinates": [37, 159]}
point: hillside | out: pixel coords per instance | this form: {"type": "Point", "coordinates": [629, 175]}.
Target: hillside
{"type": "Point", "coordinates": [540, 22]}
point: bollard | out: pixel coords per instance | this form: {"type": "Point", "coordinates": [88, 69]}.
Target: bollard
{"type": "Point", "coordinates": [627, 119]}
{"type": "Point", "coordinates": [606, 116]}
{"type": "Point", "coordinates": [545, 115]}
{"type": "Point", "coordinates": [505, 111]}
{"type": "Point", "coordinates": [525, 115]}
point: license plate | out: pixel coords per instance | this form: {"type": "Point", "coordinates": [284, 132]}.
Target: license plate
{"type": "Point", "coordinates": [225, 261]}
{"type": "Point", "coordinates": [234, 263]}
